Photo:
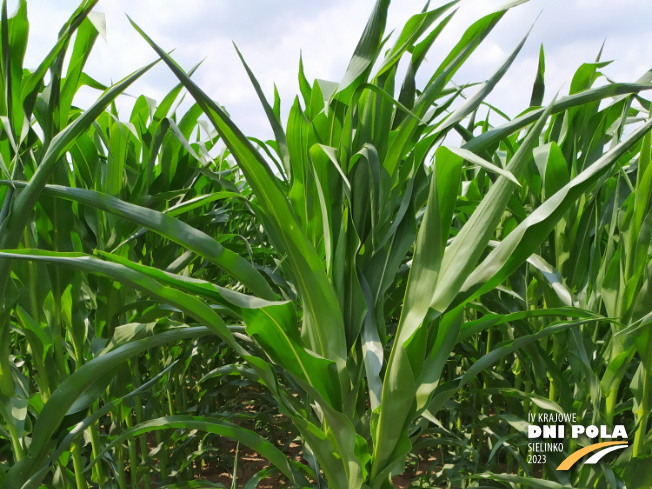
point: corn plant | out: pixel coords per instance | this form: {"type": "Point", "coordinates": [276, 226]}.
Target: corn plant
{"type": "Point", "coordinates": [364, 257]}
{"type": "Point", "coordinates": [442, 280]}
{"type": "Point", "coordinates": [43, 308]}
{"type": "Point", "coordinates": [54, 322]}
{"type": "Point", "coordinates": [570, 270]}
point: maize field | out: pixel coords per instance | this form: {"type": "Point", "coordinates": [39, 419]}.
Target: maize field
{"type": "Point", "coordinates": [357, 303]}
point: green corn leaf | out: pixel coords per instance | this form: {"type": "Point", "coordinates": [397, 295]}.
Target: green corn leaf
{"type": "Point", "coordinates": [399, 383]}
{"type": "Point", "coordinates": [65, 395]}
{"type": "Point", "coordinates": [279, 134]}
{"type": "Point", "coordinates": [522, 481]}
{"type": "Point", "coordinates": [65, 35]}
{"type": "Point", "coordinates": [415, 27]}
{"type": "Point", "coordinates": [323, 318]}
{"type": "Point", "coordinates": [461, 256]}
{"type": "Point", "coordinates": [524, 240]}
{"type": "Point", "coordinates": [274, 327]}
{"type": "Point", "coordinates": [171, 228]}
{"type": "Point", "coordinates": [471, 39]}
{"type": "Point", "coordinates": [367, 49]}
{"type": "Point", "coordinates": [444, 392]}
{"type": "Point", "coordinates": [473, 102]}
{"type": "Point", "coordinates": [11, 228]}
{"type": "Point", "coordinates": [493, 136]}
{"type": "Point", "coordinates": [84, 40]}
{"type": "Point", "coordinates": [217, 427]}
{"type": "Point", "coordinates": [14, 45]}
{"type": "Point", "coordinates": [539, 87]}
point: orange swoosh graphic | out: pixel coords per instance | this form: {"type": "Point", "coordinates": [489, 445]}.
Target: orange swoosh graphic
{"type": "Point", "coordinates": [575, 456]}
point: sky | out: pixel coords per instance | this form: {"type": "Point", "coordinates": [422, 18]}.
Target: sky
{"type": "Point", "coordinates": [271, 34]}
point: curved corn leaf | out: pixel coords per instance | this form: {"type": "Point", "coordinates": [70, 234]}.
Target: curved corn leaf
{"type": "Point", "coordinates": [222, 428]}
{"type": "Point", "coordinates": [64, 396]}
{"type": "Point", "coordinates": [169, 227]}
{"type": "Point", "coordinates": [322, 320]}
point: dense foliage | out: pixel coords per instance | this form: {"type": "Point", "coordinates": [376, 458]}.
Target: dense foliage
{"type": "Point", "coordinates": [351, 300]}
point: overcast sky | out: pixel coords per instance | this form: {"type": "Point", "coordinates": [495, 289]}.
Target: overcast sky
{"type": "Point", "coordinates": [272, 33]}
